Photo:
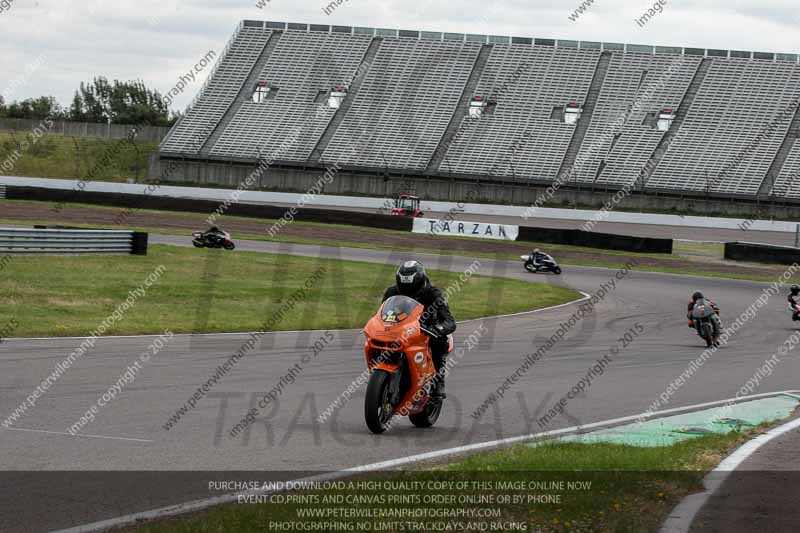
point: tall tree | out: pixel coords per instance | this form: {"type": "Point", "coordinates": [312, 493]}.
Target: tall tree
{"type": "Point", "coordinates": [75, 112]}
{"type": "Point", "coordinates": [123, 102]}
{"type": "Point", "coordinates": [35, 108]}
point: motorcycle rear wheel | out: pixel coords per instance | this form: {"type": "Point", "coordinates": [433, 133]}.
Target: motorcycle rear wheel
{"type": "Point", "coordinates": [377, 407]}
{"type": "Point", "coordinates": [708, 331]}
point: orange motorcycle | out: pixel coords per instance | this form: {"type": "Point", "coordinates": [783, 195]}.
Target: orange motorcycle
{"type": "Point", "coordinates": [402, 374]}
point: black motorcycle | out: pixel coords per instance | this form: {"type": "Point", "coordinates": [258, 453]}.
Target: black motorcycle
{"type": "Point", "coordinates": [706, 322]}
{"type": "Point", "coordinates": [213, 238]}
{"type": "Point", "coordinates": [547, 264]}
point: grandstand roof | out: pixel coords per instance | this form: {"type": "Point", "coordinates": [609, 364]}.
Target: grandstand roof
{"type": "Point", "coordinates": [505, 39]}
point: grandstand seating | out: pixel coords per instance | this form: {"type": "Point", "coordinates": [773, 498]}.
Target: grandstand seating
{"type": "Point", "coordinates": [636, 84]}
{"type": "Point", "coordinates": [404, 104]}
{"type": "Point", "coordinates": [519, 138]}
{"type": "Point", "coordinates": [788, 183]}
{"type": "Point", "coordinates": [302, 64]}
{"type": "Point", "coordinates": [407, 109]}
{"type": "Point", "coordinates": [225, 82]}
{"type": "Point", "coordinates": [737, 102]}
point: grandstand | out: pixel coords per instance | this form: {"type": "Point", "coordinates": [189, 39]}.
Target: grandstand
{"type": "Point", "coordinates": [498, 109]}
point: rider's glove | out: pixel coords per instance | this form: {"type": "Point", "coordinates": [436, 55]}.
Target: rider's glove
{"type": "Point", "coordinates": [435, 331]}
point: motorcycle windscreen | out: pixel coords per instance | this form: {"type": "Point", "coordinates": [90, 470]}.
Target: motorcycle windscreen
{"type": "Point", "coordinates": [702, 309]}
{"type": "Point", "coordinates": [397, 309]}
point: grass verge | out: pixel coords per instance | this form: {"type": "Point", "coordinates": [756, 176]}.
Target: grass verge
{"type": "Point", "coordinates": [215, 291]}
{"type": "Point", "coordinates": [552, 487]}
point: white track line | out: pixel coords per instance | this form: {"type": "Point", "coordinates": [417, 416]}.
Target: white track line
{"type": "Point", "coordinates": [681, 518]}
{"type": "Point", "coordinates": [199, 505]}
{"type": "Point", "coordinates": [75, 435]}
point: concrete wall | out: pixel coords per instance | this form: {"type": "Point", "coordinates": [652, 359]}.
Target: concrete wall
{"type": "Point", "coordinates": [379, 204]}
{"type": "Point", "coordinates": [445, 190]}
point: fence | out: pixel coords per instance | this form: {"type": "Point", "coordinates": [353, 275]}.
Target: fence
{"type": "Point", "coordinates": [88, 129]}
{"type": "Point", "coordinates": [71, 241]}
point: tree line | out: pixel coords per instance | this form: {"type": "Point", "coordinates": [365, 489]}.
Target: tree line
{"type": "Point", "coordinates": [120, 102]}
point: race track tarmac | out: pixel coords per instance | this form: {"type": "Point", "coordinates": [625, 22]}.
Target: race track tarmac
{"type": "Point", "coordinates": [126, 461]}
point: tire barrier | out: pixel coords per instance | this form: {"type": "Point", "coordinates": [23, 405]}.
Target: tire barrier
{"type": "Point", "coordinates": [762, 253]}
{"type": "Point", "coordinates": [141, 201]}
{"type": "Point", "coordinates": [605, 241]}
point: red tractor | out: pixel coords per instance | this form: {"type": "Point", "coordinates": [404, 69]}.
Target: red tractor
{"type": "Point", "coordinates": [406, 206]}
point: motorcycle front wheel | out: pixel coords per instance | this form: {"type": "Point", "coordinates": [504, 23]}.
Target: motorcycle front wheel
{"type": "Point", "coordinates": [377, 407]}
{"type": "Point", "coordinates": [197, 244]}
{"type": "Point", "coordinates": [557, 271]}
{"type": "Point", "coordinates": [229, 246]}
{"type": "Point", "coordinates": [428, 416]}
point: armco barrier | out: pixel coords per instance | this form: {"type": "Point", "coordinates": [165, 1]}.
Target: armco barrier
{"type": "Point", "coordinates": [606, 241]}
{"type": "Point", "coordinates": [762, 253]}
{"type": "Point", "coordinates": [141, 201]}
{"type": "Point", "coordinates": [71, 241]}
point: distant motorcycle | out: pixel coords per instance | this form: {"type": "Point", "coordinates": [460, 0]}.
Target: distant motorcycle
{"type": "Point", "coordinates": [706, 322]}
{"type": "Point", "coordinates": [548, 264]}
{"type": "Point", "coordinates": [213, 238]}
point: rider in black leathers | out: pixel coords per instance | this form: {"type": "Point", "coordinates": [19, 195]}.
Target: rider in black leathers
{"type": "Point", "coordinates": [690, 308]}
{"type": "Point", "coordinates": [537, 257]}
{"type": "Point", "coordinates": [793, 297]}
{"type": "Point", "coordinates": [214, 235]}
{"type": "Point", "coordinates": [412, 281]}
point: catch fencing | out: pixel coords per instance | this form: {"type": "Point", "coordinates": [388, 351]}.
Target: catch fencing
{"type": "Point", "coordinates": [88, 129]}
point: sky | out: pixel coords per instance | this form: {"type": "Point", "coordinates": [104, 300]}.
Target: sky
{"type": "Point", "coordinates": [49, 46]}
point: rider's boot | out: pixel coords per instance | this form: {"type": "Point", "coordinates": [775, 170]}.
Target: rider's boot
{"type": "Point", "coordinates": [438, 390]}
